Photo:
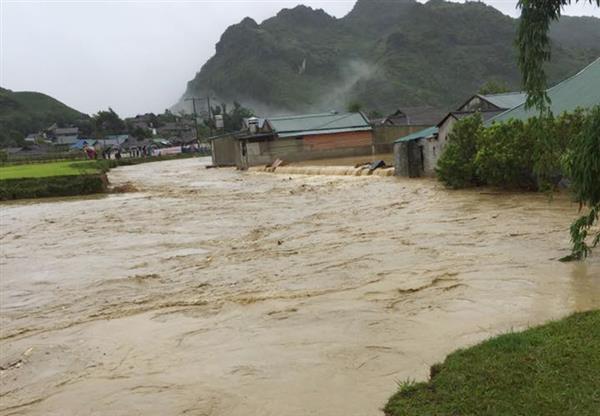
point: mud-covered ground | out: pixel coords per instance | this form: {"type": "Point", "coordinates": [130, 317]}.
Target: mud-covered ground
{"type": "Point", "coordinates": [215, 292]}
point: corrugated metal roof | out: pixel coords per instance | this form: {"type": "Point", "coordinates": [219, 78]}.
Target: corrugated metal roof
{"type": "Point", "coordinates": [505, 100]}
{"type": "Point", "coordinates": [317, 122]}
{"type": "Point", "coordinates": [327, 131]}
{"type": "Point", "coordinates": [428, 132]}
{"type": "Point", "coordinates": [581, 90]}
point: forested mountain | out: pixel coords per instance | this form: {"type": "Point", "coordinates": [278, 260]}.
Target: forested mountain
{"type": "Point", "coordinates": [27, 112]}
{"type": "Point", "coordinates": [383, 54]}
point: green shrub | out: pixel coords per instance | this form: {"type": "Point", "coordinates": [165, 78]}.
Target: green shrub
{"type": "Point", "coordinates": [52, 186]}
{"type": "Point", "coordinates": [456, 166]}
{"type": "Point", "coordinates": [504, 156]}
{"type": "Point", "coordinates": [513, 154]}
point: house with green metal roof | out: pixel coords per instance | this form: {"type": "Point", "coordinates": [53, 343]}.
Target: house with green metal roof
{"type": "Point", "coordinates": [315, 124]}
{"type": "Point", "coordinates": [295, 138]}
{"type": "Point", "coordinates": [581, 90]}
{"type": "Point", "coordinates": [416, 154]}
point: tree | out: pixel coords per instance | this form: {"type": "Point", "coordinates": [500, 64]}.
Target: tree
{"type": "Point", "coordinates": [584, 161]}
{"type": "Point", "coordinates": [493, 87]}
{"type": "Point", "coordinates": [534, 46]}
{"type": "Point", "coordinates": [107, 122]}
{"type": "Point", "coordinates": [456, 166]}
{"type": "Point", "coordinates": [232, 120]}
{"type": "Point", "coordinates": [583, 166]}
{"type": "Point", "coordinates": [354, 107]}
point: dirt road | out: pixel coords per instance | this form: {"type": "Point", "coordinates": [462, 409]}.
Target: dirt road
{"type": "Point", "coordinates": [215, 292]}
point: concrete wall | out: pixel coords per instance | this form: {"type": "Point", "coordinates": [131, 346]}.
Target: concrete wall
{"type": "Point", "coordinates": [417, 157]}
{"type": "Point", "coordinates": [445, 129]}
{"type": "Point", "coordinates": [314, 147]}
{"type": "Point", "coordinates": [223, 151]}
{"type": "Point", "coordinates": [401, 159]}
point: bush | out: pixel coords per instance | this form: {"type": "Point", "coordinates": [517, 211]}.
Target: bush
{"type": "Point", "coordinates": [456, 166]}
{"type": "Point", "coordinates": [513, 155]}
{"type": "Point", "coordinates": [504, 157]}
{"type": "Point", "coordinates": [52, 186]}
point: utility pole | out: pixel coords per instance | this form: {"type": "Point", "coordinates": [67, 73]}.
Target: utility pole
{"type": "Point", "coordinates": [193, 100]}
{"type": "Point", "coordinates": [209, 115]}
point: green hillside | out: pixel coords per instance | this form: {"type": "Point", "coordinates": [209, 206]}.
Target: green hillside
{"type": "Point", "coordinates": [383, 54]}
{"type": "Point", "coordinates": [27, 112]}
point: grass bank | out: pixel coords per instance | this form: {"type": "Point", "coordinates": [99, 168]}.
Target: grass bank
{"type": "Point", "coordinates": [65, 178]}
{"type": "Point", "coordinates": [43, 170]}
{"type": "Point", "coordinates": [549, 370]}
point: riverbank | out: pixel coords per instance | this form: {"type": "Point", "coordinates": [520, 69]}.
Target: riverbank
{"type": "Point", "coordinates": [553, 369]}
{"type": "Point", "coordinates": [220, 292]}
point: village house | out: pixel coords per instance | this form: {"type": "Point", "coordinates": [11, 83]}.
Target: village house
{"type": "Point", "coordinates": [402, 122]}
{"type": "Point", "coordinates": [580, 91]}
{"type": "Point", "coordinates": [294, 138]}
{"type": "Point", "coordinates": [62, 135]}
{"type": "Point", "coordinates": [417, 154]}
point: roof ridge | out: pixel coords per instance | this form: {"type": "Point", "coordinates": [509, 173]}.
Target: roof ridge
{"type": "Point", "coordinates": [293, 116]}
{"type": "Point", "coordinates": [502, 93]}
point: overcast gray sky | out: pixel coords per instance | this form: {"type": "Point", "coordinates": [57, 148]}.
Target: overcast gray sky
{"type": "Point", "coordinates": [134, 56]}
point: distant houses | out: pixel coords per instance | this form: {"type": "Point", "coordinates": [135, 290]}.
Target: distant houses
{"type": "Point", "coordinates": [62, 135]}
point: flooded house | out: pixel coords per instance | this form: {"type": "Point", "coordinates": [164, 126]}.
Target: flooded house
{"type": "Point", "coordinates": [294, 138]}
{"type": "Point", "coordinates": [416, 154]}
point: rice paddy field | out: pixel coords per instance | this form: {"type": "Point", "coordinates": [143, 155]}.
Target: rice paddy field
{"type": "Point", "coordinates": [42, 170]}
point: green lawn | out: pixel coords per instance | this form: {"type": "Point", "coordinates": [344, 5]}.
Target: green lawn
{"type": "Point", "coordinates": [41, 170]}
{"type": "Point", "coordinates": [549, 370]}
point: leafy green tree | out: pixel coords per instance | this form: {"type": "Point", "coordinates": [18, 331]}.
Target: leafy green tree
{"type": "Point", "coordinates": [456, 166]}
{"type": "Point", "coordinates": [534, 51]}
{"type": "Point", "coordinates": [583, 167]}
{"type": "Point", "coordinates": [232, 120]}
{"type": "Point", "coordinates": [108, 122]}
{"type": "Point", "coordinates": [354, 107]}
{"type": "Point", "coordinates": [493, 87]}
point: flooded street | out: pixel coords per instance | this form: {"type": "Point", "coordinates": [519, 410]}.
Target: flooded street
{"type": "Point", "coordinates": [217, 292]}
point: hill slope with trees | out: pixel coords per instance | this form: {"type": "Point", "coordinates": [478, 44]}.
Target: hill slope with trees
{"type": "Point", "coordinates": [382, 55]}
{"type": "Point", "coordinates": [27, 112]}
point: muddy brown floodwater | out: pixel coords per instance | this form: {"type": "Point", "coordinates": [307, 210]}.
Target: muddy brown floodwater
{"type": "Point", "coordinates": [215, 292]}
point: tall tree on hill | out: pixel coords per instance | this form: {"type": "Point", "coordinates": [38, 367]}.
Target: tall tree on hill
{"type": "Point", "coordinates": [583, 162]}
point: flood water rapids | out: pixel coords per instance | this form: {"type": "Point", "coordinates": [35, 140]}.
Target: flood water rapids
{"type": "Point", "coordinates": [218, 292]}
